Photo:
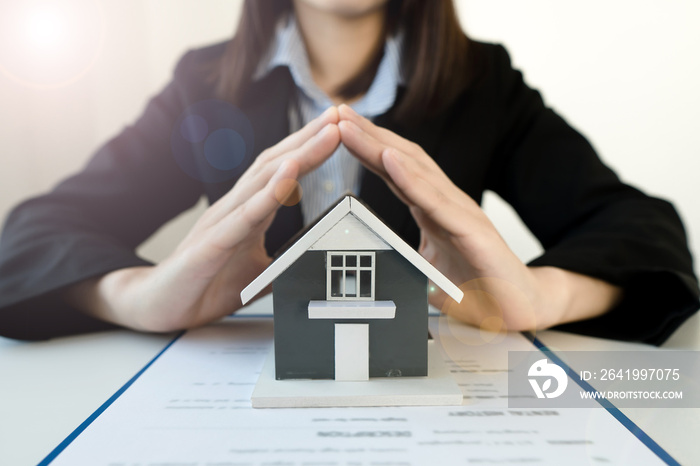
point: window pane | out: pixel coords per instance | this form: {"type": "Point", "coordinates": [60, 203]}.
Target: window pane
{"type": "Point", "coordinates": [350, 261]}
{"type": "Point", "coordinates": [336, 261]}
{"type": "Point", "coordinates": [365, 261]}
{"type": "Point", "coordinates": [350, 284]}
{"type": "Point", "coordinates": [365, 283]}
{"type": "Point", "coordinates": [336, 277]}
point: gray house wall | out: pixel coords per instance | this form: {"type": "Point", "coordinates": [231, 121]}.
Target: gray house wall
{"type": "Point", "coordinates": [304, 348]}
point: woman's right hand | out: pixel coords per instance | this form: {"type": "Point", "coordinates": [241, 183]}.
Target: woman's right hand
{"type": "Point", "coordinates": [202, 279]}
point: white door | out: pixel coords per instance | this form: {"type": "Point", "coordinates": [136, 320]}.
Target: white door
{"type": "Point", "coordinates": [352, 352]}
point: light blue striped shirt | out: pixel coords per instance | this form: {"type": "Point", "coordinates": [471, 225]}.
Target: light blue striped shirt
{"type": "Point", "coordinates": [341, 172]}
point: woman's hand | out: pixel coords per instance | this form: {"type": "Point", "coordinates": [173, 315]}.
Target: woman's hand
{"type": "Point", "coordinates": [500, 292]}
{"type": "Point", "coordinates": [202, 279]}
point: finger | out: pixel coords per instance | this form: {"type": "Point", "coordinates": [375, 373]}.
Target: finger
{"type": "Point", "coordinates": [364, 147]}
{"type": "Point", "coordinates": [369, 149]}
{"type": "Point", "coordinates": [292, 142]}
{"type": "Point", "coordinates": [314, 152]}
{"type": "Point", "coordinates": [298, 138]}
{"type": "Point", "coordinates": [409, 181]}
{"type": "Point", "coordinates": [442, 202]}
{"type": "Point", "coordinates": [369, 152]}
{"type": "Point", "coordinates": [383, 135]}
{"type": "Point", "coordinates": [310, 155]}
{"type": "Point", "coordinates": [246, 219]}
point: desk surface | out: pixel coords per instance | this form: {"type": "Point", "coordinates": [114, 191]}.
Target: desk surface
{"type": "Point", "coordinates": [48, 388]}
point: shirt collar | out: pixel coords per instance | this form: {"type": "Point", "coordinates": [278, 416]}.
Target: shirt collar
{"type": "Point", "coordinates": [287, 49]}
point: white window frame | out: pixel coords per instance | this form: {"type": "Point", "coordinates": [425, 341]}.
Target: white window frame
{"type": "Point", "coordinates": [344, 269]}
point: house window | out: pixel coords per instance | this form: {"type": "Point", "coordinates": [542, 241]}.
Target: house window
{"type": "Point", "coordinates": [350, 275]}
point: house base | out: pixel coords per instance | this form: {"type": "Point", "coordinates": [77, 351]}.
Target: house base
{"type": "Point", "coordinates": [437, 389]}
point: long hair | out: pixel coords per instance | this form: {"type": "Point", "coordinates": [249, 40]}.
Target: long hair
{"type": "Point", "coordinates": [434, 55]}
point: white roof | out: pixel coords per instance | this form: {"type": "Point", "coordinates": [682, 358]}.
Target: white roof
{"type": "Point", "coordinates": [349, 206]}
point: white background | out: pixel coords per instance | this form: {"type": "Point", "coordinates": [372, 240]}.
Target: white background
{"type": "Point", "coordinates": [624, 73]}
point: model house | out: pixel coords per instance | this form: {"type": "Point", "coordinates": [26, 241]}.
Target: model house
{"type": "Point", "coordinates": [350, 300]}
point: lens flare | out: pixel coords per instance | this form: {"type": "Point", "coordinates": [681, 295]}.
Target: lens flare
{"type": "Point", "coordinates": [288, 192]}
{"type": "Point", "coordinates": [48, 44]}
{"type": "Point", "coordinates": [212, 141]}
{"type": "Point", "coordinates": [225, 149]}
{"type": "Point", "coordinates": [46, 29]}
{"type": "Point", "coordinates": [194, 128]}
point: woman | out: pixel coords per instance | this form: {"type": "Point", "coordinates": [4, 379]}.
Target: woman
{"type": "Point", "coordinates": [447, 119]}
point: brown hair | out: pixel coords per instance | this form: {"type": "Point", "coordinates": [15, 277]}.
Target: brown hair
{"type": "Point", "coordinates": [434, 55]}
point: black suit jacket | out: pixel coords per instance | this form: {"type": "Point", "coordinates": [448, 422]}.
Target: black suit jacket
{"type": "Point", "coordinates": [495, 135]}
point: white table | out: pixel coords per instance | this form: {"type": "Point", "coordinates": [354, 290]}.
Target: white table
{"type": "Point", "coordinates": [49, 388]}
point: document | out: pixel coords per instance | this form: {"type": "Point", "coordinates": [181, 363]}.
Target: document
{"type": "Point", "coordinates": [192, 407]}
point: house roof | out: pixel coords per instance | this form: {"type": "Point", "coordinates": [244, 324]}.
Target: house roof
{"type": "Point", "coordinates": [349, 205]}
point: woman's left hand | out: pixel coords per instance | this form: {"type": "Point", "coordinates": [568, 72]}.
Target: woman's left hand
{"type": "Point", "coordinates": [500, 292]}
